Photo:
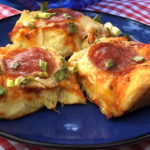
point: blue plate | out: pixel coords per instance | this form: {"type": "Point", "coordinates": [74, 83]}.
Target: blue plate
{"type": "Point", "coordinates": [80, 125]}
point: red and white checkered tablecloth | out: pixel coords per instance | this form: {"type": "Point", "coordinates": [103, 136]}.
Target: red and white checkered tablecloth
{"type": "Point", "coordinates": [138, 10]}
{"type": "Point", "coordinates": [6, 11]}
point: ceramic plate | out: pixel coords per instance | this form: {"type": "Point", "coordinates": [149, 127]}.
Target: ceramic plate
{"type": "Point", "coordinates": [80, 125]}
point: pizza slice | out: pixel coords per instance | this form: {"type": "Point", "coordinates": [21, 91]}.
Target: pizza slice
{"type": "Point", "coordinates": [32, 78]}
{"type": "Point", "coordinates": [64, 29]}
{"type": "Point", "coordinates": [115, 73]}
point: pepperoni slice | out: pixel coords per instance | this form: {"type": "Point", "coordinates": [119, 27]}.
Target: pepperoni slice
{"type": "Point", "coordinates": [60, 17]}
{"type": "Point", "coordinates": [104, 51]}
{"type": "Point", "coordinates": [28, 61]}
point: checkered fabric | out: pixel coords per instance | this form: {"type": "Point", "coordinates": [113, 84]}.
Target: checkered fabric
{"type": "Point", "coordinates": [6, 11]}
{"type": "Point", "coordinates": [138, 10]}
{"type": "Point", "coordinates": [6, 144]}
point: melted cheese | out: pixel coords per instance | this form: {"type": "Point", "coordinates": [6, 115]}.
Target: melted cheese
{"type": "Point", "coordinates": [115, 91]}
{"type": "Point", "coordinates": [39, 92]}
{"type": "Point", "coordinates": [53, 32]}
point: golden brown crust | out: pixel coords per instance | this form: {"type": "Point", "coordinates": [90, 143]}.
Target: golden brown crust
{"type": "Point", "coordinates": [21, 100]}
{"type": "Point", "coordinates": [115, 91]}
{"type": "Point", "coordinates": [54, 31]}
{"type": "Point", "coordinates": [70, 92]}
{"type": "Point", "coordinates": [24, 99]}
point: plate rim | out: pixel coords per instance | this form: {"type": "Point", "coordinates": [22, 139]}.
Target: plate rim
{"type": "Point", "coordinates": [55, 145]}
